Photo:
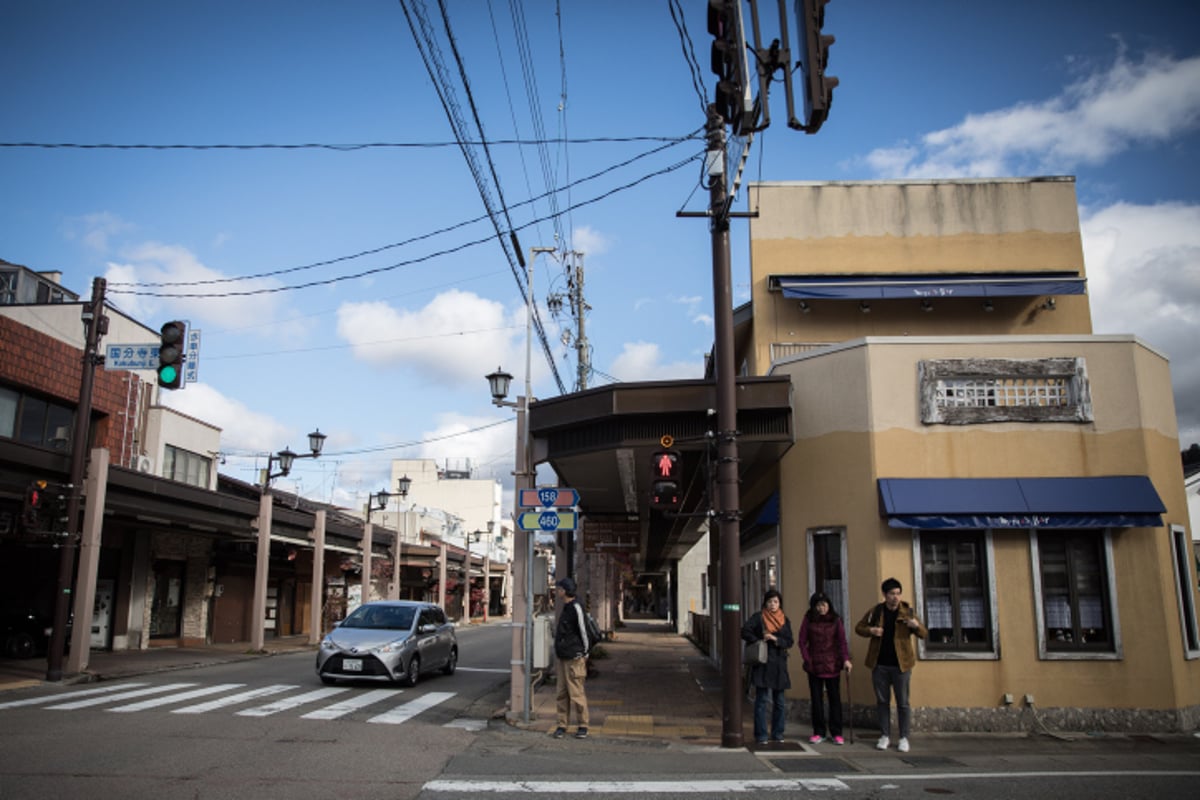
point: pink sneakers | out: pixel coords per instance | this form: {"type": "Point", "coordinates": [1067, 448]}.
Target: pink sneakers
{"type": "Point", "coordinates": [838, 740]}
{"type": "Point", "coordinates": [814, 739]}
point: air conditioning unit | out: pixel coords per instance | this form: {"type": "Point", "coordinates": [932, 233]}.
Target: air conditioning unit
{"type": "Point", "coordinates": [145, 464]}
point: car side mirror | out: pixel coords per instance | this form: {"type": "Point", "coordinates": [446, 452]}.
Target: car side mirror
{"type": "Point", "coordinates": [428, 628]}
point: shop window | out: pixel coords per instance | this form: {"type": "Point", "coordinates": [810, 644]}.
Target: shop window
{"type": "Point", "coordinates": [186, 467]}
{"type": "Point", "coordinates": [1185, 587]}
{"type": "Point", "coordinates": [34, 420]}
{"type": "Point", "coordinates": [969, 391]}
{"type": "Point", "coordinates": [826, 559]}
{"type": "Point", "coordinates": [1073, 584]}
{"type": "Point", "coordinates": [8, 287]}
{"type": "Point", "coordinates": [955, 592]}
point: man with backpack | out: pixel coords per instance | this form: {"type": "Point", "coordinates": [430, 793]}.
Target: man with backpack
{"type": "Point", "coordinates": [891, 655]}
{"type": "Point", "coordinates": [571, 646]}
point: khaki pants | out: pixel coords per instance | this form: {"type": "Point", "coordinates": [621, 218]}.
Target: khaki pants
{"type": "Point", "coordinates": [571, 674]}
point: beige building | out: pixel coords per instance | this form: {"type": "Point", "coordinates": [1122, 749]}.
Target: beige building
{"type": "Point", "coordinates": [959, 427]}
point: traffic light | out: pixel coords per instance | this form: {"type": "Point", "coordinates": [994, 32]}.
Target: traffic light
{"type": "Point", "coordinates": [814, 59]}
{"type": "Point", "coordinates": [35, 498]}
{"type": "Point", "coordinates": [667, 470]}
{"type": "Point", "coordinates": [734, 98]}
{"type": "Point", "coordinates": [170, 355]}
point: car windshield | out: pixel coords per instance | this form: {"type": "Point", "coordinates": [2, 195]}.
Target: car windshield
{"type": "Point", "coordinates": [380, 618]}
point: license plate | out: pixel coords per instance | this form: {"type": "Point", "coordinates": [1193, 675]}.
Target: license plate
{"type": "Point", "coordinates": [352, 665]}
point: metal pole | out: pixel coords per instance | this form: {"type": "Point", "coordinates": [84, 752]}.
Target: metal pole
{"type": "Point", "coordinates": [727, 507]}
{"type": "Point", "coordinates": [94, 326]}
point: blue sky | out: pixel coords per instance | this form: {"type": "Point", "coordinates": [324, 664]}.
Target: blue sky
{"type": "Point", "coordinates": [391, 365]}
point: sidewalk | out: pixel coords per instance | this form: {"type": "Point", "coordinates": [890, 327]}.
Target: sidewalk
{"type": "Point", "coordinates": [106, 665]}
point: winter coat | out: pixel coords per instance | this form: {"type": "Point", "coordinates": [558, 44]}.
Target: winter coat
{"type": "Point", "coordinates": [774, 673]}
{"type": "Point", "coordinates": [906, 652]}
{"type": "Point", "coordinates": [823, 645]}
{"type": "Point", "coordinates": [569, 633]}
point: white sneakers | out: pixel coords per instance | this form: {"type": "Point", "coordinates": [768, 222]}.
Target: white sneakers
{"type": "Point", "coordinates": [884, 741]}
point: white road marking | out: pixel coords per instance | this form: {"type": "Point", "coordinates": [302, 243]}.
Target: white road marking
{"type": "Point", "coordinates": [718, 786]}
{"type": "Point", "coordinates": [410, 709]}
{"type": "Point", "coordinates": [50, 698]}
{"type": "Point", "coordinates": [234, 699]}
{"type": "Point", "coordinates": [947, 776]}
{"type": "Point", "coordinates": [290, 702]}
{"type": "Point", "coordinates": [351, 704]}
{"type": "Point", "coordinates": [95, 701]}
{"type": "Point", "coordinates": [154, 702]}
{"type": "Point", "coordinates": [468, 724]}
{"type": "Point", "coordinates": [461, 668]}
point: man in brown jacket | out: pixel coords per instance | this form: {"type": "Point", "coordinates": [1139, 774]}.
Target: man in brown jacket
{"type": "Point", "coordinates": [891, 656]}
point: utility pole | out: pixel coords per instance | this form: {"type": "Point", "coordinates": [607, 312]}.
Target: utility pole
{"type": "Point", "coordinates": [726, 507]}
{"type": "Point", "coordinates": [579, 309]}
{"type": "Point", "coordinates": [95, 325]}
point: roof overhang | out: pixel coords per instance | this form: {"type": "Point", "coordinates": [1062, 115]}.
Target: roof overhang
{"type": "Point", "coordinates": [927, 285]}
{"type": "Point", "coordinates": [600, 441]}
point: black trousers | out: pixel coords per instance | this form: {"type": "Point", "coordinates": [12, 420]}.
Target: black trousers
{"type": "Point", "coordinates": [818, 688]}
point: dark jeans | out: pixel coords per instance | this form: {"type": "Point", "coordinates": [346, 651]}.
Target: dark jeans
{"type": "Point", "coordinates": [778, 713]}
{"type": "Point", "coordinates": [886, 680]}
{"type": "Point", "coordinates": [818, 688]}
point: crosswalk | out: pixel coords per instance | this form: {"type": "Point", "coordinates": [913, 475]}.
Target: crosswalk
{"type": "Point", "coordinates": [329, 703]}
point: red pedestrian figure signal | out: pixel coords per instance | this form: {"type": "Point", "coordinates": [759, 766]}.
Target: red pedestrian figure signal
{"type": "Point", "coordinates": [665, 482]}
{"type": "Point", "coordinates": [666, 465]}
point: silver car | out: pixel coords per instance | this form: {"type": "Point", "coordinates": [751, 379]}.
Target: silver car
{"type": "Point", "coordinates": [389, 640]}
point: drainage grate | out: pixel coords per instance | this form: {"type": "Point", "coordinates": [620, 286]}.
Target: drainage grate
{"type": "Point", "coordinates": [931, 761]}
{"type": "Point", "coordinates": [829, 765]}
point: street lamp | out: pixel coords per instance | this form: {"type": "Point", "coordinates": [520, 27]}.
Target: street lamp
{"type": "Point", "coordinates": [522, 564]}
{"type": "Point", "coordinates": [285, 458]}
{"type": "Point", "coordinates": [382, 498]}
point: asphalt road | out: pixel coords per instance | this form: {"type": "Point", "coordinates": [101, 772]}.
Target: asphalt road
{"type": "Point", "coordinates": [265, 729]}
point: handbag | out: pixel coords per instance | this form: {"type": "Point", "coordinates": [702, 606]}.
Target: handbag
{"type": "Point", "coordinates": [755, 652]}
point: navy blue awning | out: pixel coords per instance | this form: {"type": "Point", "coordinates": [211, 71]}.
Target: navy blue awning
{"type": "Point", "coordinates": [1121, 501]}
{"type": "Point", "coordinates": [890, 287]}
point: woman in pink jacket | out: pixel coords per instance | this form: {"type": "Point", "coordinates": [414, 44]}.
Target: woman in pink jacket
{"type": "Point", "coordinates": [826, 653]}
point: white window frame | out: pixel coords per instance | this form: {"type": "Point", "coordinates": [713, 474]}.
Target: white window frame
{"type": "Point", "coordinates": [843, 600]}
{"type": "Point", "coordinates": [1185, 590]}
{"type": "Point", "coordinates": [1044, 653]}
{"type": "Point", "coordinates": [934, 654]}
{"type": "Point", "coordinates": [934, 373]}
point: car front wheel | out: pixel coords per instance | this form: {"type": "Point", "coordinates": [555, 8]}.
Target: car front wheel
{"type": "Point", "coordinates": [451, 662]}
{"type": "Point", "coordinates": [413, 673]}
{"type": "Point", "coordinates": [328, 681]}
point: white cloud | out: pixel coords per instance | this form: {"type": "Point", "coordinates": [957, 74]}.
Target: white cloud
{"type": "Point", "coordinates": [96, 230]}
{"type": "Point", "coordinates": [589, 241]}
{"type": "Point", "coordinates": [457, 338]}
{"type": "Point", "coordinates": [241, 427]}
{"type": "Point", "coordinates": [642, 361]}
{"type": "Point", "coordinates": [153, 262]}
{"type": "Point", "coordinates": [1101, 115]}
{"type": "Point", "coordinates": [1143, 265]}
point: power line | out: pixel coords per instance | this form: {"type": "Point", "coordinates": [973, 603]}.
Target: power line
{"type": "Point", "coordinates": [407, 262]}
{"type": "Point", "coordinates": [322, 146]}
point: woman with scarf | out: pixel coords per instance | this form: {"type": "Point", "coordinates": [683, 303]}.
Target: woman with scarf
{"type": "Point", "coordinates": [826, 653]}
{"type": "Point", "coordinates": [770, 679]}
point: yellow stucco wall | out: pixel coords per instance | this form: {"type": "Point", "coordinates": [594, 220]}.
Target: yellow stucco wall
{"type": "Point", "coordinates": [887, 227]}
{"type": "Point", "coordinates": [857, 419]}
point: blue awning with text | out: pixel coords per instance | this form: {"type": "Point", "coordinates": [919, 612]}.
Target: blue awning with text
{"type": "Point", "coordinates": [888, 287]}
{"type": "Point", "coordinates": [1118, 501]}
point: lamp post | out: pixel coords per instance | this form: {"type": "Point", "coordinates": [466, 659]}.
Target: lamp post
{"type": "Point", "coordinates": [522, 643]}
{"type": "Point", "coordinates": [285, 458]}
{"type": "Point", "coordinates": [402, 486]}
{"type": "Point", "coordinates": [498, 383]}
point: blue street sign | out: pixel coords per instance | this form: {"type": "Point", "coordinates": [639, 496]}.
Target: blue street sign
{"type": "Point", "coordinates": [131, 356]}
{"type": "Point", "coordinates": [548, 497]}
{"type": "Point", "coordinates": [547, 521]}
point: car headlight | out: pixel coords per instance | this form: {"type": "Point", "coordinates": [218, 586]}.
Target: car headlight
{"type": "Point", "coordinates": [390, 647]}
{"type": "Point", "coordinates": [327, 644]}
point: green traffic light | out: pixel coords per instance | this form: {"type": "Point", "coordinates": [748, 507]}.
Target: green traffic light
{"type": "Point", "coordinates": [168, 374]}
